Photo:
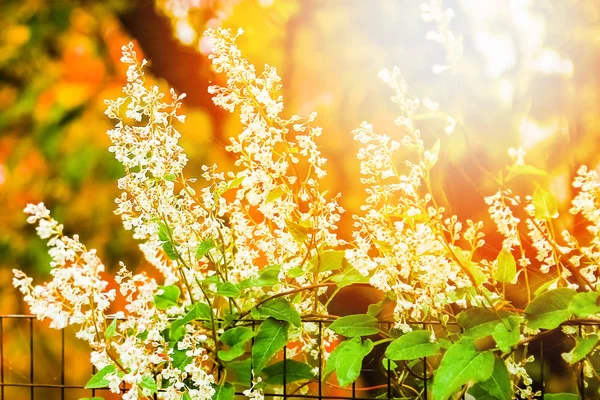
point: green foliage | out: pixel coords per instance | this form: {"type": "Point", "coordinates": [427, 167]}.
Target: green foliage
{"type": "Point", "coordinates": [111, 330]}
{"type": "Point", "coordinates": [508, 333]}
{"type": "Point", "coordinates": [355, 325]}
{"type": "Point", "coordinates": [330, 260]}
{"type": "Point", "coordinates": [585, 305]}
{"type": "Point", "coordinates": [479, 322]}
{"type": "Point", "coordinates": [347, 360]}
{"type": "Point", "coordinates": [499, 385]}
{"type": "Point", "coordinates": [271, 337]}
{"type": "Point", "coordinates": [561, 396]}
{"type": "Point", "coordinates": [281, 309]}
{"type": "Point", "coordinates": [236, 339]}
{"type": "Point", "coordinates": [199, 311]}
{"type": "Point", "coordinates": [224, 392]}
{"type": "Point", "coordinates": [98, 380]}
{"type": "Point", "coordinates": [545, 204]}
{"type": "Point", "coordinates": [294, 371]}
{"type": "Point", "coordinates": [583, 347]}
{"type": "Point", "coordinates": [507, 267]}
{"type": "Point", "coordinates": [412, 345]}
{"type": "Point", "coordinates": [549, 309]}
{"type": "Point", "coordinates": [461, 363]}
{"type": "Point", "coordinates": [204, 247]}
{"type": "Point", "coordinates": [168, 298]}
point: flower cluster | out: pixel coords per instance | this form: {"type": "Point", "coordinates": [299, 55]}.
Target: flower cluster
{"type": "Point", "coordinates": [246, 254]}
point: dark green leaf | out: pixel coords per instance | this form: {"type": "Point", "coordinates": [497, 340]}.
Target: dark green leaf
{"type": "Point", "coordinates": [479, 322]}
{"type": "Point", "coordinates": [236, 339]}
{"type": "Point", "coordinates": [499, 385]}
{"type": "Point", "coordinates": [415, 344]}
{"type": "Point", "coordinates": [199, 311]}
{"type": "Point", "coordinates": [180, 358]}
{"type": "Point", "coordinates": [550, 309]}
{"type": "Point", "coordinates": [281, 309]}
{"type": "Point", "coordinates": [294, 371]}
{"type": "Point", "coordinates": [461, 363]}
{"type": "Point", "coordinates": [223, 392]}
{"type": "Point", "coordinates": [168, 298]}
{"type": "Point", "coordinates": [355, 325]}
{"type": "Point", "coordinates": [348, 362]}
{"type": "Point", "coordinates": [271, 337]}
{"type": "Point", "coordinates": [241, 370]}
{"type": "Point", "coordinates": [561, 396]}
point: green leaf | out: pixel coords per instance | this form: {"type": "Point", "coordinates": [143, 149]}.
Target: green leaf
{"type": "Point", "coordinates": [355, 325]}
{"type": "Point", "coordinates": [583, 347]}
{"type": "Point", "coordinates": [507, 267]}
{"type": "Point", "coordinates": [274, 194]}
{"type": "Point", "coordinates": [545, 204]}
{"type": "Point", "coordinates": [241, 370]}
{"type": "Point", "coordinates": [461, 363]}
{"type": "Point", "coordinates": [561, 396]}
{"type": "Point", "coordinates": [148, 383]}
{"type": "Point", "coordinates": [170, 177]}
{"type": "Point", "coordinates": [550, 309]}
{"type": "Point", "coordinates": [294, 371]}
{"type": "Point", "coordinates": [268, 277]}
{"type": "Point", "coordinates": [526, 170]}
{"type": "Point", "coordinates": [204, 247]}
{"type": "Point", "coordinates": [331, 361]}
{"type": "Point", "coordinates": [168, 298]}
{"type": "Point", "coordinates": [223, 392]}
{"type": "Point", "coordinates": [180, 357]}
{"type": "Point", "coordinates": [545, 286]}
{"type": "Point", "coordinates": [348, 362]}
{"type": "Point", "coordinates": [281, 309]}
{"type": "Point", "coordinates": [98, 380]}
{"type": "Point", "coordinates": [349, 276]}
{"type": "Point", "coordinates": [165, 236]}
{"type": "Point", "coordinates": [412, 345]}
{"type": "Point", "coordinates": [585, 305]}
{"type": "Point", "coordinates": [479, 322]}
{"type": "Point", "coordinates": [236, 339]}
{"type": "Point", "coordinates": [271, 337]}
{"type": "Point", "coordinates": [329, 260]}
{"type": "Point", "coordinates": [111, 330]}
{"type": "Point", "coordinates": [505, 337]}
{"type": "Point", "coordinates": [499, 385]}
{"type": "Point", "coordinates": [298, 231]}
{"type": "Point", "coordinates": [199, 311]}
{"type": "Point", "coordinates": [227, 289]}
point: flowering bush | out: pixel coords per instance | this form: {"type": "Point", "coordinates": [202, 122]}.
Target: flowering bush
{"type": "Point", "coordinates": [246, 255]}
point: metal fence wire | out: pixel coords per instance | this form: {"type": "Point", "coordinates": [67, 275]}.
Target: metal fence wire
{"type": "Point", "coordinates": [34, 366]}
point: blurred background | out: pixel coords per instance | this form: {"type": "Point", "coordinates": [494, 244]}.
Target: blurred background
{"type": "Point", "coordinates": [516, 73]}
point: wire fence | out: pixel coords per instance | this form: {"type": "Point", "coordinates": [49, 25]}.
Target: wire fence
{"type": "Point", "coordinates": [37, 363]}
